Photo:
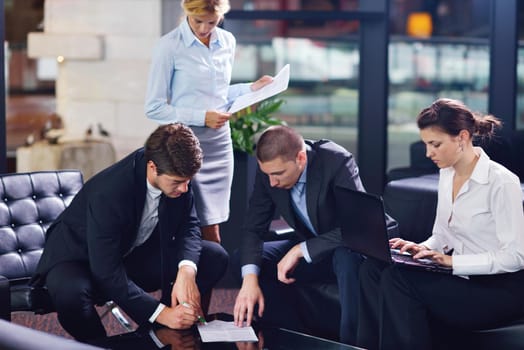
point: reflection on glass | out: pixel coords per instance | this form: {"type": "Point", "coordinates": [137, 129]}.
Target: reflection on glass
{"type": "Point", "coordinates": [420, 72]}
{"type": "Point", "coordinates": [294, 5]}
{"type": "Point", "coordinates": [520, 89]}
{"type": "Point", "coordinates": [322, 98]}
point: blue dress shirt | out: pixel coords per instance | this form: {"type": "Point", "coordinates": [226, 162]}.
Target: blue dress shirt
{"type": "Point", "coordinates": [298, 201]}
{"type": "Point", "coordinates": [187, 78]}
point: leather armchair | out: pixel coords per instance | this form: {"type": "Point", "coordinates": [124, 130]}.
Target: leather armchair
{"type": "Point", "coordinates": [29, 203]}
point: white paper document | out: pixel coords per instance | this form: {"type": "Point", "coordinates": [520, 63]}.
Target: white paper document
{"type": "Point", "coordinates": [279, 84]}
{"type": "Point", "coordinates": [222, 331]}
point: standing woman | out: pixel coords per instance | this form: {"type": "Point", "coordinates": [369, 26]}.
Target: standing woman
{"type": "Point", "coordinates": [478, 231]}
{"type": "Point", "coordinates": [189, 83]}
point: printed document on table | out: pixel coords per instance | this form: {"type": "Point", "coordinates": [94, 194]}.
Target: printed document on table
{"type": "Point", "coordinates": [222, 331]}
{"type": "Point", "coordinates": [279, 84]}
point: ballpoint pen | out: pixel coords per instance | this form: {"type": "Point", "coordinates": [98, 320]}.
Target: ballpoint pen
{"type": "Point", "coordinates": [201, 319]}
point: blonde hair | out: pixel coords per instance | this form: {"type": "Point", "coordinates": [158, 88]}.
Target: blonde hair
{"type": "Point", "coordinates": [204, 7]}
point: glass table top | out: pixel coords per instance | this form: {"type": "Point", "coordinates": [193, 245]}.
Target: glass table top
{"type": "Point", "coordinates": [269, 339]}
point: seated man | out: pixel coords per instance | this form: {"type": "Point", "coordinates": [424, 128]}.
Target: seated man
{"type": "Point", "coordinates": [132, 229]}
{"type": "Point", "coordinates": [297, 180]}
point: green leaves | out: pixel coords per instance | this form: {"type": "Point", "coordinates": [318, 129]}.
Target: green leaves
{"type": "Point", "coordinates": [246, 123]}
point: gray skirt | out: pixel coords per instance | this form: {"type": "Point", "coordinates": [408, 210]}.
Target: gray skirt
{"type": "Point", "coordinates": [212, 184]}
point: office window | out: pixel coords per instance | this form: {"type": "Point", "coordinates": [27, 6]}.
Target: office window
{"type": "Point", "coordinates": [322, 98]}
{"type": "Point", "coordinates": [520, 68]}
{"type": "Point", "coordinates": [294, 5]}
{"type": "Point", "coordinates": [437, 49]}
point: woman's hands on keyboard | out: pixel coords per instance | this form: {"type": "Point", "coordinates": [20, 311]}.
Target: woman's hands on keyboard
{"type": "Point", "coordinates": [419, 251]}
{"type": "Point", "coordinates": [406, 246]}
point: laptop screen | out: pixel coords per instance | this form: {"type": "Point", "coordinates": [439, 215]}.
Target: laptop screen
{"type": "Point", "coordinates": [363, 223]}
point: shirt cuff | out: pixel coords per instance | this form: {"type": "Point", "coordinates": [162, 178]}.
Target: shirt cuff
{"type": "Point", "coordinates": [155, 339]}
{"type": "Point", "coordinates": [187, 263]}
{"type": "Point", "coordinates": [199, 117]}
{"type": "Point", "coordinates": [250, 268]}
{"type": "Point", "coordinates": [157, 312]}
{"type": "Point", "coordinates": [303, 248]}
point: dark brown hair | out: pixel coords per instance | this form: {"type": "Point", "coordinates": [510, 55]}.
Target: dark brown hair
{"type": "Point", "coordinates": [175, 150]}
{"type": "Point", "coordinates": [279, 141]}
{"type": "Point", "coordinates": [452, 116]}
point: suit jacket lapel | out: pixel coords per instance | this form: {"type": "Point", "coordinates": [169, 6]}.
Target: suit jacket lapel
{"type": "Point", "coordinates": [166, 268]}
{"type": "Point", "coordinates": [139, 165]}
{"type": "Point", "coordinates": [140, 185]}
{"type": "Point", "coordinates": [287, 211]}
{"type": "Point", "coordinates": [289, 214]}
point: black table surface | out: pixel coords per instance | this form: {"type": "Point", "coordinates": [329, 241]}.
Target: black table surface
{"type": "Point", "coordinates": [269, 339]}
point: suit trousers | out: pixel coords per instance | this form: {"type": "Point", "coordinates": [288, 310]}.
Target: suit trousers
{"type": "Point", "coordinates": [404, 308]}
{"type": "Point", "coordinates": [75, 294]}
{"type": "Point", "coordinates": [282, 306]}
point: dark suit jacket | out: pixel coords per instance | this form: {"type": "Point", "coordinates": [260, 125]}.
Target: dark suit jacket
{"type": "Point", "coordinates": [101, 224]}
{"type": "Point", "coordinates": [329, 165]}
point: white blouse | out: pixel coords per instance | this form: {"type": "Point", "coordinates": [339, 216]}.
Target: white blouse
{"type": "Point", "coordinates": [186, 78]}
{"type": "Point", "coordinates": [485, 224]}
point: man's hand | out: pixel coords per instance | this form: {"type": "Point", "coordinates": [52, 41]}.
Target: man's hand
{"type": "Point", "coordinates": [185, 289]}
{"type": "Point", "coordinates": [177, 317]}
{"type": "Point", "coordinates": [215, 119]}
{"type": "Point", "coordinates": [249, 295]}
{"type": "Point", "coordinates": [288, 264]}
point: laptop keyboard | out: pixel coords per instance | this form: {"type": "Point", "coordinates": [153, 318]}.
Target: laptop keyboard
{"type": "Point", "coordinates": [408, 259]}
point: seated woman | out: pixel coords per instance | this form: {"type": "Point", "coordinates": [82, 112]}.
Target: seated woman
{"type": "Point", "coordinates": [478, 231]}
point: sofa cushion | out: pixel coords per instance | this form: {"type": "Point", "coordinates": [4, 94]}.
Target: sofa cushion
{"type": "Point", "coordinates": [29, 203]}
{"type": "Point", "coordinates": [413, 203]}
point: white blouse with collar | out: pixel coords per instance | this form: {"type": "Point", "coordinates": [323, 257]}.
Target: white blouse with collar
{"type": "Point", "coordinates": [485, 224]}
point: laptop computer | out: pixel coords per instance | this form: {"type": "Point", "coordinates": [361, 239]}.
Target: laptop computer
{"type": "Point", "coordinates": [363, 226]}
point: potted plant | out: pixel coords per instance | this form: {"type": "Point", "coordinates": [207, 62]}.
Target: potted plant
{"type": "Point", "coordinates": [251, 120]}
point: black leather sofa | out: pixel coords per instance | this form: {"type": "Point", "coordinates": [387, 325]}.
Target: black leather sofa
{"type": "Point", "coordinates": [29, 202]}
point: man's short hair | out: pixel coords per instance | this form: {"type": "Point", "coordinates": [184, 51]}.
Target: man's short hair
{"type": "Point", "coordinates": [175, 150]}
{"type": "Point", "coordinates": [279, 141]}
